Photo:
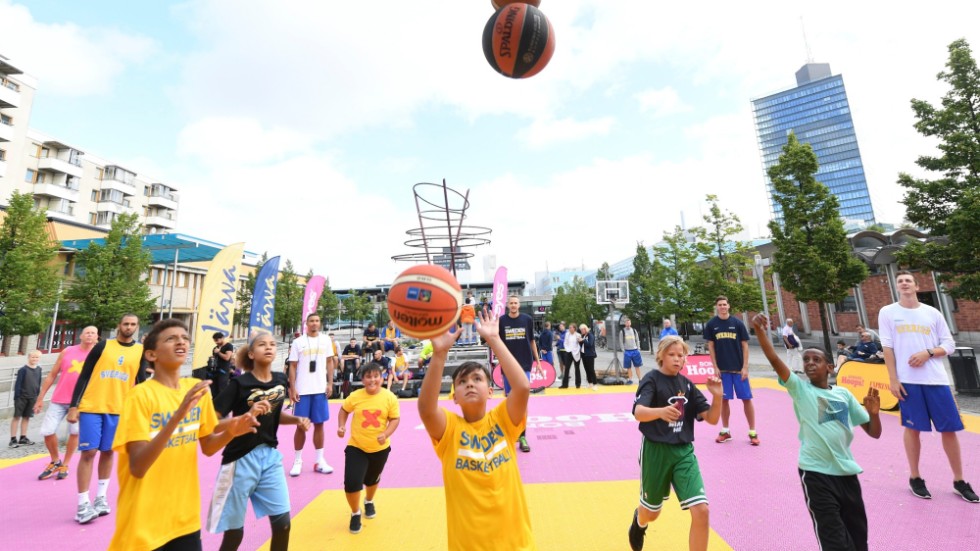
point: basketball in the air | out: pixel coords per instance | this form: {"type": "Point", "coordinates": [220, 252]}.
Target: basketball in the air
{"type": "Point", "coordinates": [497, 4]}
{"type": "Point", "coordinates": [424, 301]}
{"type": "Point", "coordinates": [518, 40]}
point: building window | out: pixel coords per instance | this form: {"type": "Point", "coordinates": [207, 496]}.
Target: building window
{"type": "Point", "coordinates": [5, 119]}
{"type": "Point", "coordinates": [846, 305]}
{"type": "Point", "coordinates": [31, 176]}
{"type": "Point", "coordinates": [3, 155]}
{"type": "Point", "coordinates": [182, 279]}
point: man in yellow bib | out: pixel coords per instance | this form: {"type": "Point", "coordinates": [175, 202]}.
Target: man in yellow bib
{"type": "Point", "coordinates": [110, 370]}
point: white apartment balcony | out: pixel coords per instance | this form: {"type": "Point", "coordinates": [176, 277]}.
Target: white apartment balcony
{"type": "Point", "coordinates": [55, 164]}
{"type": "Point", "coordinates": [6, 133]}
{"type": "Point", "coordinates": [67, 214]}
{"type": "Point", "coordinates": [163, 201]}
{"type": "Point", "coordinates": [3, 169]}
{"type": "Point", "coordinates": [9, 96]}
{"type": "Point", "coordinates": [126, 189]}
{"type": "Point", "coordinates": [109, 206]}
{"type": "Point", "coordinates": [160, 221]}
{"type": "Point", "coordinates": [57, 190]}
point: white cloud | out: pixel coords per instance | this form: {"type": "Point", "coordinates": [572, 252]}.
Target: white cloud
{"type": "Point", "coordinates": [67, 59]}
{"type": "Point", "coordinates": [217, 141]}
{"type": "Point", "coordinates": [542, 133]}
{"type": "Point", "coordinates": [661, 102]}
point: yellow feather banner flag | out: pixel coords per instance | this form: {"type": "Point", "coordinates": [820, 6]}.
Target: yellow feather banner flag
{"type": "Point", "coordinates": [217, 307]}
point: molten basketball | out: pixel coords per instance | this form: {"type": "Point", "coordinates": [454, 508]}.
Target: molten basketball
{"type": "Point", "coordinates": [518, 40]}
{"type": "Point", "coordinates": [424, 301]}
{"type": "Point", "coordinates": [498, 3]}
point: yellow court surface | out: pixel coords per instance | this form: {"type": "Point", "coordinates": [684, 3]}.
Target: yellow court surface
{"type": "Point", "coordinates": [579, 515]}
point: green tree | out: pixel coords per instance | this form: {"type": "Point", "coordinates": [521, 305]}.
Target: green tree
{"type": "Point", "coordinates": [645, 307]}
{"type": "Point", "coordinates": [289, 300]}
{"type": "Point", "coordinates": [575, 303]}
{"type": "Point", "coordinates": [28, 274]}
{"type": "Point", "coordinates": [329, 305]}
{"type": "Point", "coordinates": [356, 307]}
{"type": "Point", "coordinates": [813, 257]}
{"type": "Point", "coordinates": [949, 206]}
{"type": "Point", "coordinates": [604, 273]}
{"type": "Point", "coordinates": [110, 279]}
{"type": "Point", "coordinates": [246, 290]}
{"type": "Point", "coordinates": [676, 264]}
{"type": "Point", "coordinates": [725, 261]}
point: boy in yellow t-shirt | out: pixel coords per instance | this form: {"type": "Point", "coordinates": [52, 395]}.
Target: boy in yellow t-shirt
{"type": "Point", "coordinates": [374, 415]}
{"type": "Point", "coordinates": [485, 505]}
{"type": "Point", "coordinates": [160, 423]}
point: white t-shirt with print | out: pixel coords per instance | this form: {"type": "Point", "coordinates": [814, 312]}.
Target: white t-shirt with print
{"type": "Point", "coordinates": [910, 330]}
{"type": "Point", "coordinates": [305, 349]}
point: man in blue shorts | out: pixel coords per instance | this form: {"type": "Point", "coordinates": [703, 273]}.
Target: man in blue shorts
{"type": "Point", "coordinates": [311, 365]}
{"type": "Point", "coordinates": [631, 349]}
{"type": "Point", "coordinates": [728, 344]}
{"type": "Point", "coordinates": [914, 337]}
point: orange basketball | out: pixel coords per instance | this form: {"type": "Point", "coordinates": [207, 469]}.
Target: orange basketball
{"type": "Point", "coordinates": [518, 40]}
{"type": "Point", "coordinates": [497, 4]}
{"type": "Point", "coordinates": [424, 301]}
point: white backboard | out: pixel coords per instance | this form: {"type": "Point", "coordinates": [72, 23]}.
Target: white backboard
{"type": "Point", "coordinates": [615, 292]}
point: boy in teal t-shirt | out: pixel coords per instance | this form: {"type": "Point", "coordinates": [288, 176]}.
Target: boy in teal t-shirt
{"type": "Point", "coordinates": [827, 467]}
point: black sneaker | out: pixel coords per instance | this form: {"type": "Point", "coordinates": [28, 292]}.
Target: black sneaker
{"type": "Point", "coordinates": [523, 445]}
{"type": "Point", "coordinates": [918, 487]}
{"type": "Point", "coordinates": [355, 523]}
{"type": "Point", "coordinates": [963, 489]}
{"type": "Point", "coordinates": [369, 511]}
{"type": "Point", "coordinates": [636, 533]}
{"type": "Point", "coordinates": [13, 442]}
{"type": "Point", "coordinates": [24, 441]}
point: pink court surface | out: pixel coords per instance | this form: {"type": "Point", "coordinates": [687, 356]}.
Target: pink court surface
{"type": "Point", "coordinates": [581, 479]}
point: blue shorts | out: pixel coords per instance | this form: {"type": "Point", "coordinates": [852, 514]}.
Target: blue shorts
{"type": "Point", "coordinates": [257, 477]}
{"type": "Point", "coordinates": [546, 356]}
{"type": "Point", "coordinates": [925, 403]}
{"type": "Point", "coordinates": [313, 407]}
{"type": "Point", "coordinates": [734, 386]}
{"type": "Point", "coordinates": [507, 384]}
{"type": "Point", "coordinates": [389, 346]}
{"type": "Point", "coordinates": [96, 431]}
{"type": "Point", "coordinates": [632, 358]}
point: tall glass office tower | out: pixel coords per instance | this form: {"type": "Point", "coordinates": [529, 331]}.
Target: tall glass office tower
{"type": "Point", "coordinates": [818, 113]}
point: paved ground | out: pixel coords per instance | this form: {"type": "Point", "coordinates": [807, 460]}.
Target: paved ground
{"type": "Point", "coordinates": [758, 367]}
{"type": "Point", "coordinates": [581, 483]}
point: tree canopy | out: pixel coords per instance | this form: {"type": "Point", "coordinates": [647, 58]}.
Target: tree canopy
{"type": "Point", "coordinates": [949, 205]}
{"type": "Point", "coordinates": [725, 261]}
{"type": "Point", "coordinates": [111, 279]}
{"type": "Point", "coordinates": [28, 273]}
{"type": "Point", "coordinates": [813, 257]}
{"type": "Point", "coordinates": [289, 300]}
{"type": "Point", "coordinates": [575, 303]}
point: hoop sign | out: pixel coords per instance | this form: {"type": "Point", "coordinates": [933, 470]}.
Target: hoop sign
{"type": "Point", "coordinates": [538, 380]}
{"type": "Point", "coordinates": [858, 377]}
{"type": "Point", "coordinates": [699, 367]}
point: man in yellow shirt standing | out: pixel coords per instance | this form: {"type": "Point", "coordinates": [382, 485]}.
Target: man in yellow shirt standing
{"type": "Point", "coordinates": [110, 370]}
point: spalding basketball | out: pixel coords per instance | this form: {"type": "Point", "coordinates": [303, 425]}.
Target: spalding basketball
{"type": "Point", "coordinates": [424, 301]}
{"type": "Point", "coordinates": [497, 4]}
{"type": "Point", "coordinates": [518, 40]}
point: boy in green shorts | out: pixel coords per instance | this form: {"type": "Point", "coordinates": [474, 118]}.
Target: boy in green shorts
{"type": "Point", "coordinates": [667, 404]}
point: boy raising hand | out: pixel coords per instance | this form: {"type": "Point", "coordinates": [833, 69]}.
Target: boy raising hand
{"type": "Point", "coordinates": [485, 504]}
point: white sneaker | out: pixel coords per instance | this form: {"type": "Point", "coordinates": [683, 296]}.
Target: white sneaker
{"type": "Point", "coordinates": [595, 388]}
{"type": "Point", "coordinates": [297, 468]}
{"type": "Point", "coordinates": [323, 467]}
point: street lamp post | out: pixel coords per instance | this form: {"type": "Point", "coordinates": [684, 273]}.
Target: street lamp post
{"type": "Point", "coordinates": [760, 275]}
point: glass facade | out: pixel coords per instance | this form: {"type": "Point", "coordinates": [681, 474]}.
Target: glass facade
{"type": "Point", "coordinates": [818, 113]}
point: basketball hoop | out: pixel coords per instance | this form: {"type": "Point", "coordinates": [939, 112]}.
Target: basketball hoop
{"type": "Point", "coordinates": [615, 294]}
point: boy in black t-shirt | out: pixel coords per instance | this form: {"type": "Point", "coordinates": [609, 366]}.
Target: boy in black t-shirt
{"type": "Point", "coordinates": [666, 405]}
{"type": "Point", "coordinates": [251, 466]}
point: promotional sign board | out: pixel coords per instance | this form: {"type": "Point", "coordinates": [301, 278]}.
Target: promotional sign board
{"type": "Point", "coordinates": [858, 377]}
{"type": "Point", "coordinates": [698, 368]}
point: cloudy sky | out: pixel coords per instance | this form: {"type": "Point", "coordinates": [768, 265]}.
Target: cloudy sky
{"type": "Point", "coordinates": [300, 127]}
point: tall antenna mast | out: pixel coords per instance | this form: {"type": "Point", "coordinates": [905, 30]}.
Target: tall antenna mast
{"type": "Point", "coordinates": [806, 43]}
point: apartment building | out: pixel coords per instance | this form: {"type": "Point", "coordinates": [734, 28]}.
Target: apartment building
{"type": "Point", "coordinates": [73, 185]}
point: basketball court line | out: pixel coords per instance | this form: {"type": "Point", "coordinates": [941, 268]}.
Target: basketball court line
{"type": "Point", "coordinates": [584, 453]}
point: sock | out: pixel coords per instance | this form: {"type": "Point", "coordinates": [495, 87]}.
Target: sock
{"type": "Point", "coordinates": [357, 514]}
{"type": "Point", "coordinates": [752, 433]}
{"type": "Point", "coordinates": [640, 524]}
{"type": "Point", "coordinates": [83, 498]}
{"type": "Point", "coordinates": [319, 456]}
{"type": "Point", "coordinates": [724, 430]}
{"type": "Point", "coordinates": [298, 458]}
{"type": "Point", "coordinates": [103, 487]}
{"type": "Point", "coordinates": [366, 501]}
